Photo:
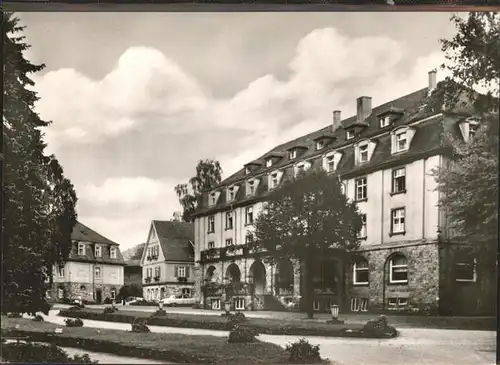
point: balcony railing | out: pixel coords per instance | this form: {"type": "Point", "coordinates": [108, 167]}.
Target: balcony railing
{"type": "Point", "coordinates": [215, 254]}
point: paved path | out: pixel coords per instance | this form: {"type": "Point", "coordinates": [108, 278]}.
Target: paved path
{"type": "Point", "coordinates": [413, 347]}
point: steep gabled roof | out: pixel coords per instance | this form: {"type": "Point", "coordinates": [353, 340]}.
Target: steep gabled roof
{"type": "Point", "coordinates": [175, 239]}
{"type": "Point", "coordinates": [83, 233]}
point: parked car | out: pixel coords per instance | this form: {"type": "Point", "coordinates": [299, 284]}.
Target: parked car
{"type": "Point", "coordinates": [178, 300]}
{"type": "Point", "coordinates": [132, 300]}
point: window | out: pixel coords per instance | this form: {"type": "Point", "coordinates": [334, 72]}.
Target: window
{"type": "Point", "coordinates": [465, 267]}
{"type": "Point", "coordinates": [211, 244]}
{"type": "Point", "coordinates": [342, 187]}
{"type": "Point", "coordinates": [112, 252]}
{"type": "Point", "coordinates": [274, 180]}
{"type": "Point", "coordinates": [473, 127]}
{"type": "Point", "coordinates": [157, 271]}
{"type": "Point", "coordinates": [231, 194]}
{"type": "Point", "coordinates": [316, 305]}
{"type": "Point", "coordinates": [149, 272]}
{"type": "Point", "coordinates": [215, 304]}
{"type": "Point", "coordinates": [320, 145]}
{"type": "Point", "coordinates": [60, 293]}
{"type": "Point", "coordinates": [113, 294]}
{"type": "Point", "coordinates": [363, 153]}
{"type": "Point", "coordinates": [181, 271]}
{"type": "Point", "coordinates": [359, 304]}
{"type": "Point", "coordinates": [399, 180]}
{"type": "Point", "coordinates": [362, 233]}
{"type": "Point", "coordinates": [269, 162]}
{"type": "Point", "coordinates": [229, 220]}
{"type": "Point", "coordinates": [251, 188]}
{"type": "Point", "coordinates": [300, 170]}
{"type": "Point", "coordinates": [398, 269]}
{"type": "Point", "coordinates": [229, 242]}
{"type": "Point", "coordinates": [97, 272]}
{"type": "Point", "coordinates": [249, 215]}
{"type": "Point", "coordinates": [330, 164]}
{"type": "Point", "coordinates": [350, 134]}
{"type": "Point", "coordinates": [239, 304]}
{"type": "Point", "coordinates": [385, 121]}
{"type": "Point", "coordinates": [247, 171]}
{"type": "Point", "coordinates": [361, 188]}
{"type": "Point", "coordinates": [60, 271]}
{"type": "Point", "coordinates": [397, 303]}
{"type": "Point", "coordinates": [401, 142]}
{"type": "Point", "coordinates": [186, 292]}
{"type": "Point", "coordinates": [98, 251]}
{"type": "Point", "coordinates": [360, 272]}
{"type": "Point", "coordinates": [292, 154]}
{"type": "Point", "coordinates": [211, 224]}
{"type": "Point", "coordinates": [213, 199]}
{"type": "Point", "coordinates": [81, 249]}
{"type": "Point", "coordinates": [398, 221]}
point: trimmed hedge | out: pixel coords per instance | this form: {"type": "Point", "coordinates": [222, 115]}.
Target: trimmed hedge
{"type": "Point", "coordinates": [268, 327]}
{"type": "Point", "coordinates": [41, 354]}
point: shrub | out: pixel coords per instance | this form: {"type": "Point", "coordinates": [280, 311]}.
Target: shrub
{"type": "Point", "coordinates": [73, 322]}
{"type": "Point", "coordinates": [15, 315]}
{"type": "Point", "coordinates": [235, 318]}
{"type": "Point", "coordinates": [107, 300]}
{"type": "Point", "coordinates": [241, 334]}
{"type": "Point", "coordinates": [302, 352]}
{"type": "Point", "coordinates": [38, 318]}
{"type": "Point", "coordinates": [38, 353]}
{"type": "Point", "coordinates": [159, 313]}
{"type": "Point", "coordinates": [110, 310]}
{"type": "Point", "coordinates": [378, 327]}
{"type": "Point", "coordinates": [145, 303]}
{"type": "Point", "coordinates": [197, 306]}
{"type": "Point", "coordinates": [140, 325]}
{"type": "Point", "coordinates": [75, 308]}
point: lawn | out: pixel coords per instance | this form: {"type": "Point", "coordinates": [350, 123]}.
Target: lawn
{"type": "Point", "coordinates": [216, 322]}
{"type": "Point", "coordinates": [166, 347]}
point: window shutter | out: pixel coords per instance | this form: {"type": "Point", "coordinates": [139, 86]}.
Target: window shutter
{"type": "Point", "coordinates": [187, 271]}
{"type": "Point", "coordinates": [176, 271]}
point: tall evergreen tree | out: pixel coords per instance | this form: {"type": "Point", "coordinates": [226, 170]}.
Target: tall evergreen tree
{"type": "Point", "coordinates": [38, 201]}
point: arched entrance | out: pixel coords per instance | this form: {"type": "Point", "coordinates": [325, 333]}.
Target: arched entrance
{"type": "Point", "coordinates": [233, 273]}
{"type": "Point", "coordinates": [211, 274]}
{"type": "Point", "coordinates": [258, 273]}
{"type": "Point", "coordinates": [284, 279]}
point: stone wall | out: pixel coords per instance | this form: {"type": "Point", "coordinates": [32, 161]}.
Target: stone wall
{"type": "Point", "coordinates": [422, 289]}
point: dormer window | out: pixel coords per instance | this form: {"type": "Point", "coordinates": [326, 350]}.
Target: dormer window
{"type": "Point", "coordinates": [300, 169]}
{"type": "Point", "coordinates": [385, 121]}
{"type": "Point", "coordinates": [320, 145]}
{"type": "Point", "coordinates": [349, 134]}
{"type": "Point", "coordinates": [331, 161]}
{"type": "Point", "coordinates": [363, 153]}
{"type": "Point", "coordinates": [292, 154]}
{"type": "Point", "coordinates": [274, 180]}
{"type": "Point", "coordinates": [401, 139]}
{"type": "Point", "coordinates": [251, 188]}
{"type": "Point", "coordinates": [473, 127]}
{"type": "Point", "coordinates": [112, 252]}
{"type": "Point", "coordinates": [330, 164]}
{"type": "Point", "coordinates": [81, 249]}
{"type": "Point", "coordinates": [401, 142]}
{"type": "Point", "coordinates": [247, 171]}
{"type": "Point", "coordinates": [213, 198]}
{"type": "Point", "coordinates": [269, 162]}
{"type": "Point", "coordinates": [230, 194]}
{"type": "Point", "coordinates": [98, 252]}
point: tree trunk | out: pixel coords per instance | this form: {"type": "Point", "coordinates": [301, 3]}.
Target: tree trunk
{"type": "Point", "coordinates": [309, 288]}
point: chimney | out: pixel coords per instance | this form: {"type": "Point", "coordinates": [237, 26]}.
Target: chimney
{"type": "Point", "coordinates": [177, 216]}
{"type": "Point", "coordinates": [364, 108]}
{"type": "Point", "coordinates": [432, 80]}
{"type": "Point", "coordinates": [336, 120]}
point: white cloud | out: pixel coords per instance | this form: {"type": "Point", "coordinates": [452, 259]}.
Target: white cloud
{"type": "Point", "coordinates": [328, 71]}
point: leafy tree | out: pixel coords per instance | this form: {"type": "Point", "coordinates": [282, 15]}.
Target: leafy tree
{"type": "Point", "coordinates": [307, 218]}
{"type": "Point", "coordinates": [39, 202]}
{"type": "Point", "coordinates": [208, 175]}
{"type": "Point", "coordinates": [469, 182]}
{"type": "Point", "coordinates": [132, 290]}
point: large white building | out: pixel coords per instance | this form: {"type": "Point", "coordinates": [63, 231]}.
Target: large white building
{"type": "Point", "coordinates": [384, 157]}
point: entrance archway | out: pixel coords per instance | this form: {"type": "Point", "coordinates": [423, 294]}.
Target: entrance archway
{"type": "Point", "coordinates": [233, 273]}
{"type": "Point", "coordinates": [211, 274]}
{"type": "Point", "coordinates": [258, 273]}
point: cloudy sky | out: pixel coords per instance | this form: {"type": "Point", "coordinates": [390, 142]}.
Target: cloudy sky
{"type": "Point", "coordinates": [136, 99]}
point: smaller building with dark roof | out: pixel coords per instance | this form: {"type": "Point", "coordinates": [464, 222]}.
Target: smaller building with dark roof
{"type": "Point", "coordinates": [168, 259]}
{"type": "Point", "coordinates": [93, 271]}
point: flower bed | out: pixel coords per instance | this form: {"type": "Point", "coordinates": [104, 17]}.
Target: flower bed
{"type": "Point", "coordinates": [158, 346]}
{"type": "Point", "coordinates": [262, 325]}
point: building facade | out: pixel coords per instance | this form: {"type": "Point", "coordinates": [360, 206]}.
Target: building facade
{"type": "Point", "coordinates": [384, 158]}
{"type": "Point", "coordinates": [167, 261]}
{"type": "Point", "coordinates": [94, 270]}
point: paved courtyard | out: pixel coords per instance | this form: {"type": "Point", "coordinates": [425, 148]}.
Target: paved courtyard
{"type": "Point", "coordinates": [414, 346]}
